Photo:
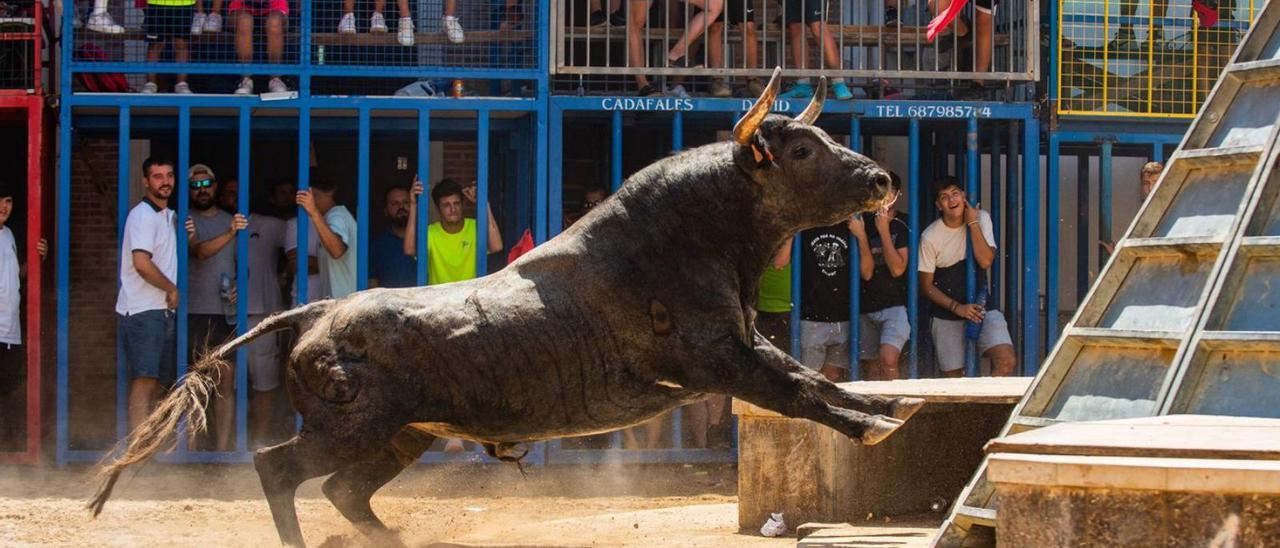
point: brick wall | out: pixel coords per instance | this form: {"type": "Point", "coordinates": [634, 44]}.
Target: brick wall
{"type": "Point", "coordinates": [94, 267]}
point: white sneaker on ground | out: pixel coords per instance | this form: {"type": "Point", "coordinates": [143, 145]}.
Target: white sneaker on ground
{"type": "Point", "coordinates": [405, 33]}
{"type": "Point", "coordinates": [197, 24]}
{"type": "Point", "coordinates": [150, 87]}
{"type": "Point", "coordinates": [377, 23]}
{"type": "Point", "coordinates": [213, 23]}
{"type": "Point", "coordinates": [182, 87]}
{"type": "Point", "coordinates": [276, 85]}
{"type": "Point", "coordinates": [348, 24]}
{"type": "Point", "coordinates": [453, 29]}
{"type": "Point", "coordinates": [245, 87]}
{"type": "Point", "coordinates": [102, 22]}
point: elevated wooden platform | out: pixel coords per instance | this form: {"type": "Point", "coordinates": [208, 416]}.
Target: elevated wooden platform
{"type": "Point", "coordinates": [849, 35]}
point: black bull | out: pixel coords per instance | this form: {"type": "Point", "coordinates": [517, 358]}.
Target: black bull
{"type": "Point", "coordinates": [646, 304]}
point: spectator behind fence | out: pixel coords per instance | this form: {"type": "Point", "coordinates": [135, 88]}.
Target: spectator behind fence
{"type": "Point", "coordinates": [824, 302]}
{"type": "Point", "coordinates": [1149, 176]}
{"type": "Point", "coordinates": [773, 304]}
{"type": "Point", "coordinates": [742, 14]}
{"type": "Point", "coordinates": [678, 55]}
{"type": "Point", "coordinates": [637, 17]}
{"type": "Point", "coordinates": [276, 13]}
{"type": "Point", "coordinates": [404, 29]}
{"type": "Point", "coordinates": [813, 13]}
{"type": "Point", "coordinates": [147, 298]}
{"type": "Point", "coordinates": [882, 245]}
{"type": "Point", "coordinates": [983, 11]}
{"type": "Point", "coordinates": [388, 265]}
{"type": "Point", "coordinates": [12, 369]}
{"type": "Point", "coordinates": [211, 313]}
{"type": "Point", "coordinates": [164, 22]}
{"type": "Point", "coordinates": [615, 17]}
{"type": "Point", "coordinates": [336, 230]}
{"type": "Point", "coordinates": [317, 282]}
{"type": "Point", "coordinates": [590, 199]}
{"type": "Point", "coordinates": [208, 22]}
{"type": "Point", "coordinates": [943, 247]}
{"type": "Point", "coordinates": [266, 242]}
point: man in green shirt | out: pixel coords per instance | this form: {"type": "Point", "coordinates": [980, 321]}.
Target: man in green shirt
{"type": "Point", "coordinates": [451, 242]}
{"type": "Point", "coordinates": [773, 306]}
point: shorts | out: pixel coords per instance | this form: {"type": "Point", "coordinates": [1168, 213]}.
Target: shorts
{"type": "Point", "coordinates": [146, 341]}
{"type": "Point", "coordinates": [776, 327]}
{"type": "Point", "coordinates": [263, 355]}
{"type": "Point", "coordinates": [949, 341]}
{"type": "Point", "coordinates": [260, 8]}
{"type": "Point", "coordinates": [823, 343]}
{"type": "Point", "coordinates": [986, 6]}
{"type": "Point", "coordinates": [737, 12]}
{"type": "Point", "coordinates": [889, 326]}
{"type": "Point", "coordinates": [164, 23]}
{"type": "Point", "coordinates": [809, 11]}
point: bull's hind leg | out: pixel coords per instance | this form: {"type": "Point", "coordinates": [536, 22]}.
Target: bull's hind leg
{"type": "Point", "coordinates": [351, 487]}
{"type": "Point", "coordinates": [284, 467]}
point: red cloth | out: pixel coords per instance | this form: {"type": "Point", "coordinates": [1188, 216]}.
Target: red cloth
{"type": "Point", "coordinates": [945, 18]}
{"type": "Point", "coordinates": [523, 246]}
{"type": "Point", "coordinates": [1206, 11]}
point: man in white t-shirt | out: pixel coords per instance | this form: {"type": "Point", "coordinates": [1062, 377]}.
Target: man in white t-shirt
{"type": "Point", "coordinates": [12, 367]}
{"type": "Point", "coordinates": [337, 230]}
{"type": "Point", "coordinates": [943, 247]}
{"type": "Point", "coordinates": [148, 295]}
{"type": "Point", "coordinates": [317, 282]}
{"type": "Point", "coordinates": [266, 241]}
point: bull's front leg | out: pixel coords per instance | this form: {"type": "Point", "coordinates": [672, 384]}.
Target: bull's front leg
{"type": "Point", "coordinates": [900, 408]}
{"type": "Point", "coordinates": [740, 371]}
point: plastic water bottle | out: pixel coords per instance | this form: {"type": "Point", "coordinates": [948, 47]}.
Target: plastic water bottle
{"type": "Point", "coordinates": [972, 329]}
{"type": "Point", "coordinates": [224, 289]}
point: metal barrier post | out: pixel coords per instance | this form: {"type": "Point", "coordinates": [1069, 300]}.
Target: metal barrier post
{"type": "Point", "coordinates": [482, 193]}
{"type": "Point", "coordinates": [997, 220]}
{"type": "Point", "coordinates": [362, 200]}
{"type": "Point", "coordinates": [304, 182]}
{"type": "Point", "coordinates": [123, 132]}
{"type": "Point", "coordinates": [1104, 202]}
{"type": "Point", "coordinates": [184, 258]}
{"type": "Point", "coordinates": [973, 193]}
{"type": "Point", "coordinates": [1031, 243]}
{"type": "Point", "coordinates": [913, 244]}
{"type": "Point", "coordinates": [1052, 245]}
{"type": "Point", "coordinates": [855, 273]}
{"type": "Point", "coordinates": [424, 174]}
{"type": "Point", "coordinates": [615, 156]}
{"type": "Point", "coordinates": [1084, 247]}
{"type": "Point", "coordinates": [242, 284]}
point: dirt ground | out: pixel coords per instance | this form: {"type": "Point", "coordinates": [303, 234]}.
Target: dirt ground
{"type": "Point", "coordinates": [444, 505]}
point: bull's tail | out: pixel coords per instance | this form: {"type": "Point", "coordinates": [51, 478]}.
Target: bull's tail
{"type": "Point", "coordinates": [189, 398]}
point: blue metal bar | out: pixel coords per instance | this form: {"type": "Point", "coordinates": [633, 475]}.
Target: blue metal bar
{"type": "Point", "coordinates": [1104, 202]}
{"type": "Point", "coordinates": [62, 258]}
{"type": "Point", "coordinates": [1084, 247]}
{"type": "Point", "coordinates": [855, 273]}
{"type": "Point", "coordinates": [286, 126]}
{"type": "Point", "coordinates": [242, 284]}
{"type": "Point", "coordinates": [1157, 152]}
{"type": "Point", "coordinates": [677, 416]}
{"type": "Point", "coordinates": [304, 182]}
{"type": "Point", "coordinates": [615, 155]}
{"type": "Point", "coordinates": [540, 176]}
{"type": "Point", "coordinates": [1052, 245]}
{"type": "Point", "coordinates": [482, 193]}
{"type": "Point", "coordinates": [997, 221]}
{"type": "Point", "coordinates": [795, 294]}
{"type": "Point", "coordinates": [1013, 209]}
{"type": "Point", "coordinates": [1121, 138]}
{"type": "Point", "coordinates": [323, 101]}
{"type": "Point", "coordinates": [892, 109]}
{"type": "Point", "coordinates": [314, 70]}
{"type": "Point", "coordinates": [362, 201]}
{"type": "Point", "coordinates": [122, 213]}
{"type": "Point", "coordinates": [555, 153]}
{"type": "Point", "coordinates": [424, 174]}
{"type": "Point", "coordinates": [913, 244]}
{"type": "Point", "coordinates": [677, 131]}
{"type": "Point", "coordinates": [1031, 241]}
{"type": "Point", "coordinates": [973, 192]}
{"type": "Point", "coordinates": [184, 257]}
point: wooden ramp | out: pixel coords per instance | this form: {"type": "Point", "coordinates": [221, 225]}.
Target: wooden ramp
{"type": "Point", "coordinates": [1185, 318]}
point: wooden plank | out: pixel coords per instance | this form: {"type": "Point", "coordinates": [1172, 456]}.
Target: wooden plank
{"type": "Point", "coordinates": [863, 35]}
{"type": "Point", "coordinates": [1173, 436]}
{"type": "Point", "coordinates": [988, 390]}
{"type": "Point", "coordinates": [335, 39]}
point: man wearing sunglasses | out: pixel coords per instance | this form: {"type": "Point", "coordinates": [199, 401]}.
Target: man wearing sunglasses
{"type": "Point", "coordinates": [210, 321]}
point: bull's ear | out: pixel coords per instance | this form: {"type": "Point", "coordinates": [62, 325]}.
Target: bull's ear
{"type": "Point", "coordinates": [810, 114]}
{"type": "Point", "coordinates": [746, 127]}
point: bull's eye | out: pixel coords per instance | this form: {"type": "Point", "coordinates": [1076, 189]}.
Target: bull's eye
{"type": "Point", "coordinates": [800, 152]}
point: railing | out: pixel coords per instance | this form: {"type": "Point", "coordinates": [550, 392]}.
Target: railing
{"type": "Point", "coordinates": [603, 46]}
{"type": "Point", "coordinates": [299, 41]}
{"type": "Point", "coordinates": [20, 48]}
{"type": "Point", "coordinates": [1124, 58]}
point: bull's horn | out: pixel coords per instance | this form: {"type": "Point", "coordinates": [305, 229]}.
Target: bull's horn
{"type": "Point", "coordinates": [746, 127]}
{"type": "Point", "coordinates": [811, 112]}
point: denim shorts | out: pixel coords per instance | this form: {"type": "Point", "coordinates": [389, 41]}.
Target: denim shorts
{"type": "Point", "coordinates": [146, 342]}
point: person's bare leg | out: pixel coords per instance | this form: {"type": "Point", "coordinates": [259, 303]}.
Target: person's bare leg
{"type": "Point", "coordinates": [142, 396]}
{"type": "Point", "coordinates": [695, 422]}
{"type": "Point", "coordinates": [1004, 362]}
{"type": "Point", "coordinates": [404, 9]}
{"type": "Point", "coordinates": [637, 19]}
{"type": "Point", "coordinates": [715, 48]}
{"type": "Point", "coordinates": [349, 6]}
{"type": "Point", "coordinates": [822, 34]}
{"type": "Point", "coordinates": [226, 408]}
{"type": "Point", "coordinates": [379, 5]}
{"type": "Point", "coordinates": [697, 24]}
{"type": "Point", "coordinates": [244, 37]}
{"type": "Point", "coordinates": [181, 54]}
{"type": "Point", "coordinates": [888, 361]}
{"type": "Point", "coordinates": [715, 409]}
{"type": "Point", "coordinates": [750, 45]}
{"type": "Point", "coordinates": [261, 405]}
{"type": "Point", "coordinates": [275, 37]}
{"type": "Point", "coordinates": [982, 42]}
{"type": "Point", "coordinates": [795, 35]}
{"type": "Point", "coordinates": [954, 373]}
{"type": "Point", "coordinates": [833, 372]}
{"type": "Point", "coordinates": [870, 369]}
{"type": "Point", "coordinates": [957, 25]}
{"type": "Point", "coordinates": [653, 430]}
{"type": "Point", "coordinates": [217, 6]}
{"type": "Point", "coordinates": [450, 7]}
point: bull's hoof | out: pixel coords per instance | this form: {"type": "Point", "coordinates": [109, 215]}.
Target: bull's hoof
{"type": "Point", "coordinates": [879, 430]}
{"type": "Point", "coordinates": [903, 407]}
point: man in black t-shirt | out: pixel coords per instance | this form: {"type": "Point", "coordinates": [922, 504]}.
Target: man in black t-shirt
{"type": "Point", "coordinates": [824, 302]}
{"type": "Point", "coordinates": [884, 327]}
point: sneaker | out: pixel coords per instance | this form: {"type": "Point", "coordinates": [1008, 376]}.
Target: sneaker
{"type": "Point", "coordinates": [404, 33]}
{"type": "Point", "coordinates": [618, 19]}
{"type": "Point", "coordinates": [597, 18]}
{"type": "Point", "coordinates": [755, 87]}
{"type": "Point", "coordinates": [842, 91]}
{"type": "Point", "coordinates": [775, 526]}
{"type": "Point", "coordinates": [347, 25]}
{"type": "Point", "coordinates": [197, 24]}
{"type": "Point", "coordinates": [683, 62]}
{"type": "Point", "coordinates": [276, 85]}
{"type": "Point", "coordinates": [720, 89]}
{"type": "Point", "coordinates": [245, 87]}
{"type": "Point", "coordinates": [678, 91]}
{"type": "Point", "coordinates": [377, 23]}
{"type": "Point", "coordinates": [891, 17]}
{"type": "Point", "coordinates": [213, 23]}
{"type": "Point", "coordinates": [102, 22]}
{"type": "Point", "coordinates": [453, 29]}
{"type": "Point", "coordinates": [182, 88]}
{"type": "Point", "coordinates": [150, 87]}
{"type": "Point", "coordinates": [797, 91]}
{"type": "Point", "coordinates": [650, 90]}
